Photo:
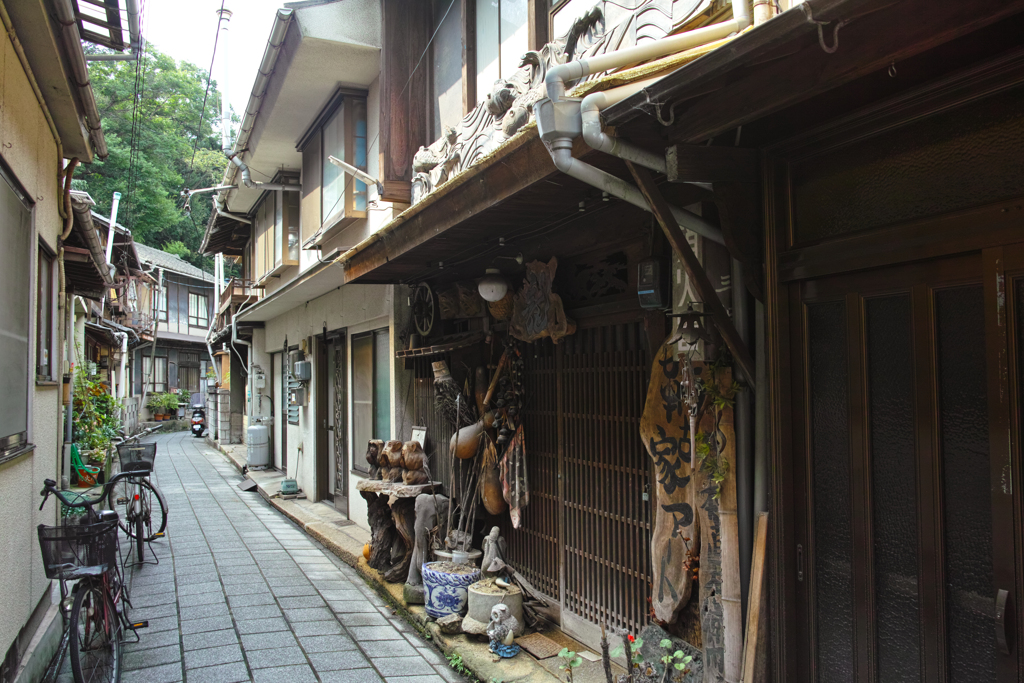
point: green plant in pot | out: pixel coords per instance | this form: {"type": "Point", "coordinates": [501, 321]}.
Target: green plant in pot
{"type": "Point", "coordinates": [170, 403]}
{"type": "Point", "coordinates": [155, 405]}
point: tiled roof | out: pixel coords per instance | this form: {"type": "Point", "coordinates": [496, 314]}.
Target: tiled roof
{"type": "Point", "coordinates": [161, 259]}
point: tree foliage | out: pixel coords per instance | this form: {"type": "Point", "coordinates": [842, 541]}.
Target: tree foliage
{"type": "Point", "coordinates": [165, 132]}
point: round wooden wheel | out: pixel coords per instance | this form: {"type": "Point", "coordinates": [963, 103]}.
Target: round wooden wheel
{"type": "Point", "coordinates": [424, 308]}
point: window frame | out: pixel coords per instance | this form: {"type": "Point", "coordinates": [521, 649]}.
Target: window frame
{"type": "Point", "coordinates": [378, 402]}
{"type": "Point", "coordinates": [158, 361]}
{"type": "Point", "coordinates": [46, 316]}
{"type": "Point", "coordinates": [160, 299]}
{"type": "Point", "coordinates": [275, 217]}
{"type": "Point", "coordinates": [199, 297]}
{"type": "Point", "coordinates": [353, 105]}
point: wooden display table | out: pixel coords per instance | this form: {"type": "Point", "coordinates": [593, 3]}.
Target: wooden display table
{"type": "Point", "coordinates": [391, 512]}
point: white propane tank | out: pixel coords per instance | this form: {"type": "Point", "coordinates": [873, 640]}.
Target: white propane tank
{"type": "Point", "coordinates": [258, 446]}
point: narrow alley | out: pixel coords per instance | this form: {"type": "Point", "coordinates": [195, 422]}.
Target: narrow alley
{"type": "Point", "coordinates": [242, 594]}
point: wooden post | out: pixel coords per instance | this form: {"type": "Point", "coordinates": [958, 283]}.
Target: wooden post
{"type": "Point", "coordinates": [753, 647]}
{"type": "Point", "coordinates": [696, 273]}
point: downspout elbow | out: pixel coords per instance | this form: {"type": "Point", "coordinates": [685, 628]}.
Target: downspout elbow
{"type": "Point", "coordinates": [558, 75]}
{"type": "Point", "coordinates": [562, 156]}
{"type": "Point", "coordinates": [246, 180]}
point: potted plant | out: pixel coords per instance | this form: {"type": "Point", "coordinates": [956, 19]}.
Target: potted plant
{"type": "Point", "coordinates": [171, 405]}
{"type": "Point", "coordinates": [155, 406]}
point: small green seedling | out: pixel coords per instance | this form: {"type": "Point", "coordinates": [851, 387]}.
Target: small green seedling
{"type": "Point", "coordinates": [570, 660]}
{"type": "Point", "coordinates": [634, 647]}
{"type": "Point", "coordinates": [677, 660]}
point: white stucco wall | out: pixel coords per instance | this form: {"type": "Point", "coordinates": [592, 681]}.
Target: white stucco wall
{"type": "Point", "coordinates": [355, 308]}
{"type": "Point", "coordinates": [31, 153]}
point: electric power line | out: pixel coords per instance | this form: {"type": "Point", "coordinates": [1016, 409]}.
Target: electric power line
{"type": "Point", "coordinates": [202, 113]}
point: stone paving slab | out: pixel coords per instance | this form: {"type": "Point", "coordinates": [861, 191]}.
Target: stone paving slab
{"type": "Point", "coordinates": [242, 594]}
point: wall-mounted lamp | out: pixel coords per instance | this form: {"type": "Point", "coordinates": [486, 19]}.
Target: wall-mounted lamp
{"type": "Point", "coordinates": [492, 285]}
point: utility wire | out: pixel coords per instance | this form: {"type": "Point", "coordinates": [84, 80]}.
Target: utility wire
{"type": "Point", "coordinates": [202, 112]}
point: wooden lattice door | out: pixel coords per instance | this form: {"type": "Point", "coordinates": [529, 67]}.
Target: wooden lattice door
{"type": "Point", "coordinates": [338, 407]}
{"type": "Point", "coordinates": [585, 538]}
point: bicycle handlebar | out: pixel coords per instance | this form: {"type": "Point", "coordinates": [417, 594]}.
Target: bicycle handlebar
{"type": "Point", "coordinates": [50, 486]}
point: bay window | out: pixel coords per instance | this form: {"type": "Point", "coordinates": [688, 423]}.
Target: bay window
{"type": "Point", "coordinates": [339, 131]}
{"type": "Point", "coordinates": [275, 230]}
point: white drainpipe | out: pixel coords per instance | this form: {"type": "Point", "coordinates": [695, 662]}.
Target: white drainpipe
{"type": "Point", "coordinates": [560, 119]}
{"type": "Point", "coordinates": [557, 76]}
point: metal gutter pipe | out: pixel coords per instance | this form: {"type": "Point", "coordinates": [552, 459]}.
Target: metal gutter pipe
{"type": "Point", "coordinates": [73, 45]}
{"type": "Point", "coordinates": [252, 184]}
{"type": "Point", "coordinates": [282, 20]}
{"type": "Point", "coordinates": [110, 227]}
{"type": "Point", "coordinates": [131, 8]}
{"type": "Point", "coordinates": [744, 452]}
{"type": "Point", "coordinates": [561, 153]}
{"type": "Point", "coordinates": [248, 361]}
{"type": "Point", "coordinates": [92, 240]}
{"type": "Point", "coordinates": [594, 135]}
{"type": "Point", "coordinates": [557, 76]}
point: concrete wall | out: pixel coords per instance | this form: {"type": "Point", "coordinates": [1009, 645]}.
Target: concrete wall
{"type": "Point", "coordinates": [355, 308]}
{"type": "Point", "coordinates": [30, 152]}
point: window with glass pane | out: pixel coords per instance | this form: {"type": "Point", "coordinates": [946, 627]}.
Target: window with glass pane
{"type": "Point", "coordinates": [44, 321]}
{"type": "Point", "coordinates": [343, 136]}
{"type": "Point", "coordinates": [197, 310]}
{"type": "Point", "coordinates": [371, 391]}
{"type": "Point", "coordinates": [502, 38]}
{"type": "Point", "coordinates": [15, 316]}
{"type": "Point", "coordinates": [291, 221]}
{"type": "Point", "coordinates": [363, 424]}
{"type": "Point", "coordinates": [333, 176]}
{"type": "Point", "coordinates": [161, 304]}
{"type": "Point", "coordinates": [155, 372]}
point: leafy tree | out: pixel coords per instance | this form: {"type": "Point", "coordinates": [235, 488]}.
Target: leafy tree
{"type": "Point", "coordinates": [165, 132]}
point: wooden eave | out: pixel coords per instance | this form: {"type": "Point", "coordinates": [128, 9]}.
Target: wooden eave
{"type": "Point", "coordinates": [515, 195]}
{"type": "Point", "coordinates": [775, 80]}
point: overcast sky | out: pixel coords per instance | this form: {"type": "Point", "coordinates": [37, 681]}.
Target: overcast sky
{"type": "Point", "coordinates": [185, 29]}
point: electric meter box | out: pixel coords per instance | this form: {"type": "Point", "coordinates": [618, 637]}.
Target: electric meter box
{"type": "Point", "coordinates": [302, 371]}
{"type": "Point", "coordinates": [299, 396]}
{"type": "Point", "coordinates": [259, 380]}
{"type": "Point", "coordinates": [650, 284]}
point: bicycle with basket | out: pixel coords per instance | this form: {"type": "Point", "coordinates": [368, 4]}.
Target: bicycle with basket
{"type": "Point", "coordinates": [83, 554]}
{"type": "Point", "coordinates": [143, 511]}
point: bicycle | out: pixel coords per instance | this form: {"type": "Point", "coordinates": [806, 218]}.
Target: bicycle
{"type": "Point", "coordinates": [136, 494]}
{"type": "Point", "coordinates": [84, 550]}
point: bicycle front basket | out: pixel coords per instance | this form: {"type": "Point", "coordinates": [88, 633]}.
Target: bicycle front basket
{"type": "Point", "coordinates": [73, 551]}
{"type": "Point", "coordinates": [137, 456]}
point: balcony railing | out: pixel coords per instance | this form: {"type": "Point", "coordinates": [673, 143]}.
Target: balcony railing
{"type": "Point", "coordinates": [238, 291]}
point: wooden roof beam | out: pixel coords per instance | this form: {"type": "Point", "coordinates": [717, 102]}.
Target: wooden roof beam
{"type": "Point", "coordinates": [695, 271]}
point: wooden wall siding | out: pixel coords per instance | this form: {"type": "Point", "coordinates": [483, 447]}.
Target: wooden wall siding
{"type": "Point", "coordinates": [535, 547]}
{"type": "Point", "coordinates": [607, 522]}
{"type": "Point", "coordinates": [404, 101]}
{"type": "Point", "coordinates": [585, 535]}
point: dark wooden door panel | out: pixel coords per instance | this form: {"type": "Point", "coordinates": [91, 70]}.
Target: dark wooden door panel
{"type": "Point", "coordinates": [906, 533]}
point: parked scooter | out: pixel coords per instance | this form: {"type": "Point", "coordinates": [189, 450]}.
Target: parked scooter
{"type": "Point", "coordinates": [198, 415]}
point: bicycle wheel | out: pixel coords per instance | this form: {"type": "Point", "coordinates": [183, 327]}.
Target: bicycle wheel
{"type": "Point", "coordinates": [120, 497]}
{"type": "Point", "coordinates": [140, 531]}
{"type": "Point", "coordinates": [95, 636]}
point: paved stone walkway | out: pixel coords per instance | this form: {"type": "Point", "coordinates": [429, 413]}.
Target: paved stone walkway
{"type": "Point", "coordinates": [242, 594]}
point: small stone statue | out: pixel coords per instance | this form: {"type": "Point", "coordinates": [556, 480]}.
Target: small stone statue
{"type": "Point", "coordinates": [493, 563]}
{"type": "Point", "coordinates": [501, 632]}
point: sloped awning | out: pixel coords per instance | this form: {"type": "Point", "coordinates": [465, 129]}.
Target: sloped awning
{"type": "Point", "coordinates": [85, 267]}
{"type": "Point", "coordinates": [225, 235]}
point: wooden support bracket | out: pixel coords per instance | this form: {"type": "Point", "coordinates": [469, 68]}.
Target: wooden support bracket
{"type": "Point", "coordinates": [698, 277]}
{"type": "Point", "coordinates": [703, 164]}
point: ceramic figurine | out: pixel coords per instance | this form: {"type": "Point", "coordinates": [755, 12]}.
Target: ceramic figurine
{"type": "Point", "coordinates": [501, 632]}
{"type": "Point", "coordinates": [493, 563]}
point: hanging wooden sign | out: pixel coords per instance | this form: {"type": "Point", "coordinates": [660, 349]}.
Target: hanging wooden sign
{"type": "Point", "coordinates": [664, 428]}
